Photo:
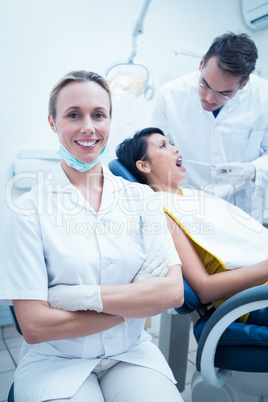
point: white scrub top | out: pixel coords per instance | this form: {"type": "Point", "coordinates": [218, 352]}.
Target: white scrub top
{"type": "Point", "coordinates": [53, 237]}
{"type": "Point", "coordinates": [238, 134]}
{"type": "Point", "coordinates": [227, 232]}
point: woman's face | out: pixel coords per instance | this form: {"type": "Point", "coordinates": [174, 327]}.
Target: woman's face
{"type": "Point", "coordinates": [165, 162]}
{"type": "Point", "coordinates": [82, 119]}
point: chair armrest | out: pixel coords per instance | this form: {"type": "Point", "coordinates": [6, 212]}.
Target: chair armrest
{"type": "Point", "coordinates": [191, 301]}
{"type": "Point", "coordinates": [248, 300]}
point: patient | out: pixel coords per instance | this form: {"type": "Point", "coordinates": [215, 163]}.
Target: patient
{"type": "Point", "coordinates": [212, 237]}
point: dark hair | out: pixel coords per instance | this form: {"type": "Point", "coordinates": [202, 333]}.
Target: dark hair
{"type": "Point", "coordinates": [237, 54]}
{"type": "Point", "coordinates": [76, 76]}
{"type": "Point", "coordinates": [133, 149]}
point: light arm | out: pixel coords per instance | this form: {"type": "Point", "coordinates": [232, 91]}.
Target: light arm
{"type": "Point", "coordinates": [149, 296]}
{"type": "Point", "coordinates": [88, 297]}
{"type": "Point", "coordinates": [218, 286]}
{"type": "Point", "coordinates": [146, 298]}
{"type": "Point", "coordinates": [39, 323]}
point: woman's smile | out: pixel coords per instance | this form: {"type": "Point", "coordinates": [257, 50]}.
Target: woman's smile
{"type": "Point", "coordinates": [87, 144]}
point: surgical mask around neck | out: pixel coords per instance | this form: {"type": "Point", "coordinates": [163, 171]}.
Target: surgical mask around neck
{"type": "Point", "coordinates": [75, 163]}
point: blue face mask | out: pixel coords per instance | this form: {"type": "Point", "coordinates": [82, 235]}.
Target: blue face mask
{"type": "Point", "coordinates": [75, 163]}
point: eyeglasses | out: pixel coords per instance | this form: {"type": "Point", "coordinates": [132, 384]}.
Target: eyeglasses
{"type": "Point", "coordinates": [206, 90]}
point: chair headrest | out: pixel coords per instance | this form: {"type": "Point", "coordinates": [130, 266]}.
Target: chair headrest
{"type": "Point", "coordinates": [118, 169]}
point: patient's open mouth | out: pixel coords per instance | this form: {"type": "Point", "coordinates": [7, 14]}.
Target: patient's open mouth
{"type": "Point", "coordinates": [179, 161]}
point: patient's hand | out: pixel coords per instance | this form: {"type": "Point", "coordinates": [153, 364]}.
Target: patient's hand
{"type": "Point", "coordinates": [76, 297]}
{"type": "Point", "coordinates": [153, 267]}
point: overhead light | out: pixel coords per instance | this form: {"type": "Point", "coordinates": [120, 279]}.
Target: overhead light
{"type": "Point", "coordinates": [129, 78]}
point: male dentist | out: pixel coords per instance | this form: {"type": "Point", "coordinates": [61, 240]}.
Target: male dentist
{"type": "Point", "coordinates": [218, 117]}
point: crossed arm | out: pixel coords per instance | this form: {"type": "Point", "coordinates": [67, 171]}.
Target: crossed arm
{"type": "Point", "coordinates": [218, 286]}
{"type": "Point", "coordinates": [40, 323]}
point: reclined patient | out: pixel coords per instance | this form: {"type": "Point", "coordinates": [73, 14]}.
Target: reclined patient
{"type": "Point", "coordinates": [223, 250]}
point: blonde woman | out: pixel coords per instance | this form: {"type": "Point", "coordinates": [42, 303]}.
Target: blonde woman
{"type": "Point", "coordinates": [83, 273]}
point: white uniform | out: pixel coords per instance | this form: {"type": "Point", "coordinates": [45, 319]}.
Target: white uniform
{"type": "Point", "coordinates": [238, 134]}
{"type": "Point", "coordinates": [55, 237]}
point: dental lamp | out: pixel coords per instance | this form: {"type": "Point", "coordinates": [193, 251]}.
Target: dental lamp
{"type": "Point", "coordinates": [129, 78]}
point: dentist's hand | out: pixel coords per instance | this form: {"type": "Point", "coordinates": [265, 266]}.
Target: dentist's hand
{"type": "Point", "coordinates": [237, 172]}
{"type": "Point", "coordinates": [76, 297]}
{"type": "Point", "coordinates": [154, 266]}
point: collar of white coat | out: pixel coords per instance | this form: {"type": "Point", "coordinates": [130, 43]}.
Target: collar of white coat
{"type": "Point", "coordinates": [58, 182]}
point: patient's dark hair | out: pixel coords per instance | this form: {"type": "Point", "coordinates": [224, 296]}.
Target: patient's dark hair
{"type": "Point", "coordinates": [134, 149]}
{"type": "Point", "coordinates": [237, 54]}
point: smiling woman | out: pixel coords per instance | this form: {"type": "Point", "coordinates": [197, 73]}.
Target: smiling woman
{"type": "Point", "coordinates": [80, 113]}
{"type": "Point", "coordinates": [79, 268]}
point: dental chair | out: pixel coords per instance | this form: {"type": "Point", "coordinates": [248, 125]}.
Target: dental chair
{"type": "Point", "coordinates": [232, 357]}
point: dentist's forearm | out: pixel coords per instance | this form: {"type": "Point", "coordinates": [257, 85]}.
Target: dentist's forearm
{"type": "Point", "coordinates": [40, 323]}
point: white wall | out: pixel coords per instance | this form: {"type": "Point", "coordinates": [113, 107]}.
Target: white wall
{"type": "Point", "coordinates": [42, 40]}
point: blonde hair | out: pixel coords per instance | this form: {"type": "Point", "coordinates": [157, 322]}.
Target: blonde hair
{"type": "Point", "coordinates": [76, 76]}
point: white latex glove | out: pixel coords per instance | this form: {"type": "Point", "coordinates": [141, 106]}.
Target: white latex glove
{"type": "Point", "coordinates": [154, 266]}
{"type": "Point", "coordinates": [237, 172]}
{"type": "Point", "coordinates": [75, 298]}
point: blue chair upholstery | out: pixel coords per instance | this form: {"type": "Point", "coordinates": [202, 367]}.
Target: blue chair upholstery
{"type": "Point", "coordinates": [118, 169]}
{"type": "Point", "coordinates": [232, 357]}
{"type": "Point", "coordinates": [191, 301]}
{"type": "Point", "coordinates": [239, 341]}
{"type": "Point", "coordinates": [14, 319]}
{"type": "Point", "coordinates": [10, 397]}
{"type": "Point", "coordinates": [238, 338]}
